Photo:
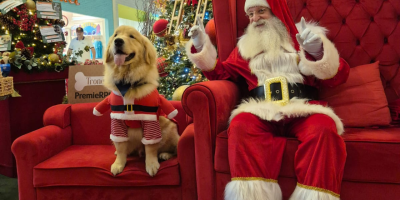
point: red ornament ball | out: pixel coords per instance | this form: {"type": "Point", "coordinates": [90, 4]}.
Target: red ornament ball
{"type": "Point", "coordinates": [210, 30]}
{"type": "Point", "coordinates": [160, 27]}
{"type": "Point", "coordinates": [161, 64]}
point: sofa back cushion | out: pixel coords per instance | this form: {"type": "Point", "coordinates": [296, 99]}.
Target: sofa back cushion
{"type": "Point", "coordinates": [360, 102]}
{"type": "Point", "coordinates": [363, 31]}
{"type": "Point", "coordinates": [88, 129]}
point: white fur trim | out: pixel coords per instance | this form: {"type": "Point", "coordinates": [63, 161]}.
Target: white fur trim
{"type": "Point", "coordinates": [253, 3]}
{"type": "Point", "coordinates": [206, 58]}
{"type": "Point", "coordinates": [97, 113]}
{"type": "Point", "coordinates": [133, 116]}
{"type": "Point", "coordinates": [173, 114]}
{"type": "Point", "coordinates": [296, 108]}
{"type": "Point", "coordinates": [252, 190]}
{"type": "Point", "coordinates": [116, 93]}
{"type": "Point", "coordinates": [301, 193]}
{"type": "Point", "coordinates": [323, 69]}
{"type": "Point", "coordinates": [118, 138]}
{"type": "Point", "coordinates": [154, 141]}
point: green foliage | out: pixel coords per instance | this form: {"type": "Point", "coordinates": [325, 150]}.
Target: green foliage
{"type": "Point", "coordinates": [32, 38]}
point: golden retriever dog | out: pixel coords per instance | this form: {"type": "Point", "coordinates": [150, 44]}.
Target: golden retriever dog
{"type": "Point", "coordinates": [131, 57]}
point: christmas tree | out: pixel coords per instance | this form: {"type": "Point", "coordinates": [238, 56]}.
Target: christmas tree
{"type": "Point", "coordinates": [174, 66]}
{"type": "Point", "coordinates": [28, 51]}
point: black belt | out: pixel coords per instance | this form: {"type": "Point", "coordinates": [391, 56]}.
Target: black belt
{"type": "Point", "coordinates": [296, 90]}
{"type": "Point", "coordinates": [134, 108]}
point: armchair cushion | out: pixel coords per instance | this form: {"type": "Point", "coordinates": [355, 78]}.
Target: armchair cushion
{"type": "Point", "coordinates": [361, 101]}
{"type": "Point", "coordinates": [89, 165]}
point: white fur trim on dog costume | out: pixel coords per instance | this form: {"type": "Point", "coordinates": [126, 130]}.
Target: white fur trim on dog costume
{"type": "Point", "coordinates": [118, 139]}
{"type": "Point", "coordinates": [172, 114]}
{"type": "Point", "coordinates": [296, 108]}
{"type": "Point", "coordinates": [312, 193]}
{"type": "Point", "coordinates": [97, 113]}
{"type": "Point", "coordinates": [206, 58]}
{"type": "Point", "coordinates": [252, 190]}
{"type": "Point", "coordinates": [123, 116]}
{"type": "Point", "coordinates": [153, 141]}
{"type": "Point", "coordinates": [253, 3]}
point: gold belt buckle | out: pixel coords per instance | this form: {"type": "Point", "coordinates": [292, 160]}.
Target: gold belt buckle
{"type": "Point", "coordinates": [284, 89]}
{"type": "Point", "coordinates": [129, 106]}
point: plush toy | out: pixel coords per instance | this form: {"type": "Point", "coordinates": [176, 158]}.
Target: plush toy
{"type": "Point", "coordinates": [140, 111]}
{"type": "Point", "coordinates": [4, 58]}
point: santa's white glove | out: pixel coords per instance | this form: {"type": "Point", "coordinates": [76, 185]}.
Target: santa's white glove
{"type": "Point", "coordinates": [198, 35]}
{"type": "Point", "coordinates": [310, 41]}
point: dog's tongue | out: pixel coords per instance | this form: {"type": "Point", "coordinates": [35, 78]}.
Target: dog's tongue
{"type": "Point", "coordinates": [119, 59]}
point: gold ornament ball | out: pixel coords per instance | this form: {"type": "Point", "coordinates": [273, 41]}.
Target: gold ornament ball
{"type": "Point", "coordinates": [30, 4]}
{"type": "Point", "coordinates": [12, 55]}
{"type": "Point", "coordinates": [54, 58]}
{"type": "Point", "coordinates": [177, 96]}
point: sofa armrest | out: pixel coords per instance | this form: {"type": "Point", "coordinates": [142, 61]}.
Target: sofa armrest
{"type": "Point", "coordinates": [186, 158]}
{"type": "Point", "coordinates": [58, 115]}
{"type": "Point", "coordinates": [32, 148]}
{"type": "Point", "coordinates": [210, 104]}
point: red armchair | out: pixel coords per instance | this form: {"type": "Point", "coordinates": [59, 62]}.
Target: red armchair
{"type": "Point", "coordinates": [70, 158]}
{"type": "Point", "coordinates": [372, 169]}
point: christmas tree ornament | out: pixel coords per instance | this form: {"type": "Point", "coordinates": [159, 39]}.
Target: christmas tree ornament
{"type": "Point", "coordinates": [161, 65]}
{"type": "Point", "coordinates": [160, 27]}
{"type": "Point", "coordinates": [210, 30]}
{"type": "Point", "coordinates": [54, 58]}
{"type": "Point", "coordinates": [170, 42]}
{"type": "Point", "coordinates": [26, 53]}
{"type": "Point", "coordinates": [30, 4]}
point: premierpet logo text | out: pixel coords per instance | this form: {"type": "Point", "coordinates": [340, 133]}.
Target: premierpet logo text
{"type": "Point", "coordinates": [82, 81]}
{"type": "Point", "coordinates": [91, 96]}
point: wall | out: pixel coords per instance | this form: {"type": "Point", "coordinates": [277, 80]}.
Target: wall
{"type": "Point", "coordinates": [127, 3]}
{"type": "Point", "coordinates": [95, 8]}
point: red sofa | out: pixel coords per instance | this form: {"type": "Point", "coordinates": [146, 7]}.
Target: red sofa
{"type": "Point", "coordinates": [372, 170]}
{"type": "Point", "coordinates": [70, 158]}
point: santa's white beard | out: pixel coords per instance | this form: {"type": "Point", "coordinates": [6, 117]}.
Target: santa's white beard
{"type": "Point", "coordinates": [270, 51]}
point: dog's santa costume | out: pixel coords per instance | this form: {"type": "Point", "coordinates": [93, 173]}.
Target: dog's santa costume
{"type": "Point", "coordinates": [135, 113]}
{"type": "Point", "coordinates": [257, 130]}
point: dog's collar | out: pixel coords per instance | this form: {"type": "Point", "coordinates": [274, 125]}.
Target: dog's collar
{"type": "Point", "coordinates": [124, 87]}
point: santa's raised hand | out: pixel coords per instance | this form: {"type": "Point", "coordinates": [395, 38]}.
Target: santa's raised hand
{"type": "Point", "coordinates": [310, 41]}
{"type": "Point", "coordinates": [198, 34]}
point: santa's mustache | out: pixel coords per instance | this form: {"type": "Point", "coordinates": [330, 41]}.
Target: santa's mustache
{"type": "Point", "coordinates": [259, 22]}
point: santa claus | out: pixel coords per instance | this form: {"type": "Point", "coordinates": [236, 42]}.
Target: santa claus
{"type": "Point", "coordinates": [284, 67]}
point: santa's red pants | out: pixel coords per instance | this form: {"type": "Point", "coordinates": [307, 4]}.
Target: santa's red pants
{"type": "Point", "coordinates": [256, 146]}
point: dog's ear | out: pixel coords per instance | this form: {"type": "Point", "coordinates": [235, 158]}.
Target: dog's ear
{"type": "Point", "coordinates": [150, 53]}
{"type": "Point", "coordinates": [107, 55]}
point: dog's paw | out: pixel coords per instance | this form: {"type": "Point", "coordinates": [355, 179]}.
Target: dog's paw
{"type": "Point", "coordinates": [116, 168]}
{"type": "Point", "coordinates": [165, 156]}
{"type": "Point", "coordinates": [152, 167]}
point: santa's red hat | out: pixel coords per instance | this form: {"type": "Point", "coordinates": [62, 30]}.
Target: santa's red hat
{"type": "Point", "coordinates": [280, 9]}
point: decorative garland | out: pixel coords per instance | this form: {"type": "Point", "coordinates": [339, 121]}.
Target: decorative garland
{"type": "Point", "coordinates": [28, 52]}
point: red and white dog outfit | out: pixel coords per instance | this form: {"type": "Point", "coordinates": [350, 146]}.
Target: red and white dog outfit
{"type": "Point", "coordinates": [136, 113]}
